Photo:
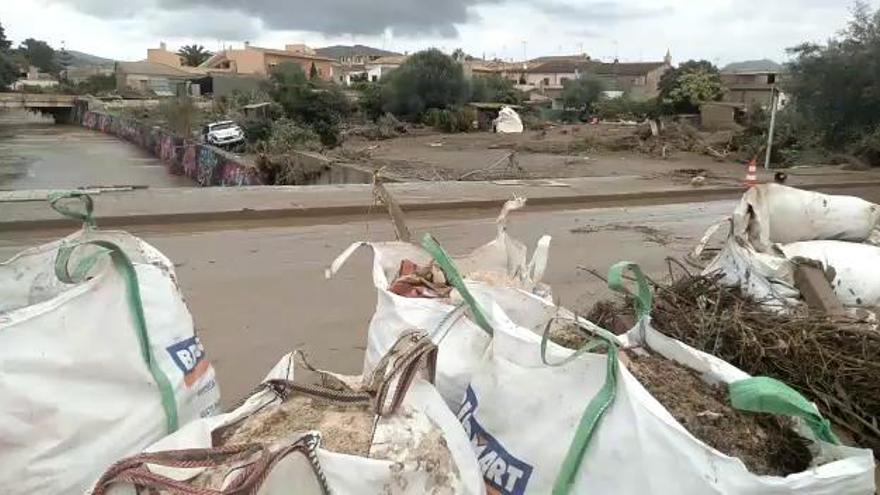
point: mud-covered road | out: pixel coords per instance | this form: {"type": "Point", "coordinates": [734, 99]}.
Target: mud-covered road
{"type": "Point", "coordinates": [257, 290]}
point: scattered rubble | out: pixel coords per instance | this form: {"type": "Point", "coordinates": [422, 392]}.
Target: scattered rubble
{"type": "Point", "coordinates": [420, 281]}
{"type": "Point", "coordinates": [345, 428]}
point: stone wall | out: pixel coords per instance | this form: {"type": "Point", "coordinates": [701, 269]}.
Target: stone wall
{"type": "Point", "coordinates": [206, 165]}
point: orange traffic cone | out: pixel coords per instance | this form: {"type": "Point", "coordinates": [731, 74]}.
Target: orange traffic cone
{"type": "Point", "coordinates": [752, 174]}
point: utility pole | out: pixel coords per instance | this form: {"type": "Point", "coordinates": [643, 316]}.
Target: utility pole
{"type": "Point", "coordinates": [773, 99]}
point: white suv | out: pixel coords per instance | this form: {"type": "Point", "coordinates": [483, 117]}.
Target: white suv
{"type": "Point", "coordinates": [224, 133]}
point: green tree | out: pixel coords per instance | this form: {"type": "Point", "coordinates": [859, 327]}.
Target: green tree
{"type": "Point", "coordinates": [371, 103]}
{"type": "Point", "coordinates": [428, 79]}
{"type": "Point", "coordinates": [97, 84]}
{"type": "Point", "coordinates": [4, 43]}
{"type": "Point", "coordinates": [683, 89]}
{"type": "Point", "coordinates": [39, 54]}
{"type": "Point", "coordinates": [8, 70]}
{"type": "Point", "coordinates": [193, 55]}
{"type": "Point", "coordinates": [837, 86]}
{"type": "Point", "coordinates": [316, 104]}
{"type": "Point", "coordinates": [8, 67]}
{"type": "Point", "coordinates": [494, 88]}
{"type": "Point", "coordinates": [582, 93]}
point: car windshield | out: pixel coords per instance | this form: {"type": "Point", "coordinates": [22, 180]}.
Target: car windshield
{"type": "Point", "coordinates": [220, 127]}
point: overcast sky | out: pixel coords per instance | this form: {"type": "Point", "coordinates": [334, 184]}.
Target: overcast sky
{"type": "Point", "coordinates": [718, 30]}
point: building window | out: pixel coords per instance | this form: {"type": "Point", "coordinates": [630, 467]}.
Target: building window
{"type": "Point", "coordinates": [771, 78]}
{"type": "Point", "coordinates": [374, 78]}
{"type": "Point", "coordinates": [546, 81]}
{"type": "Point", "coordinates": [563, 80]}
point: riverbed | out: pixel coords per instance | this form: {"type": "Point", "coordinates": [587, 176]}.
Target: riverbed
{"type": "Point", "coordinates": [35, 153]}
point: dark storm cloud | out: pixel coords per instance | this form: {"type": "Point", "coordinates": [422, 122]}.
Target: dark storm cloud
{"type": "Point", "coordinates": [602, 11]}
{"type": "Point", "coordinates": [408, 18]}
{"type": "Point", "coordinates": [338, 17]}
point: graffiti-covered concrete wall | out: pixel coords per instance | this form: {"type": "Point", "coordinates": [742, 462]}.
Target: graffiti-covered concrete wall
{"type": "Point", "coordinates": [207, 165]}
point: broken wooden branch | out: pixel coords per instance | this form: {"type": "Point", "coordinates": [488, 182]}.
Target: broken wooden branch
{"type": "Point", "coordinates": [397, 219]}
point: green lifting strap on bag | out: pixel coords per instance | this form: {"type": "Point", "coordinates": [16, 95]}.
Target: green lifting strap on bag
{"type": "Point", "coordinates": [88, 206]}
{"type": "Point", "coordinates": [764, 394]}
{"type": "Point", "coordinates": [594, 412]}
{"type": "Point", "coordinates": [605, 398]}
{"type": "Point", "coordinates": [454, 277]}
{"type": "Point", "coordinates": [123, 264]}
{"type": "Point", "coordinates": [643, 297]}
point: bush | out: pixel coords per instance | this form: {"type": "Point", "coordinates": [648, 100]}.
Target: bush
{"type": "Point", "coordinates": [387, 126]}
{"type": "Point", "coordinates": [494, 89]}
{"type": "Point", "coordinates": [286, 136]}
{"type": "Point", "coordinates": [256, 129]}
{"type": "Point", "coordinates": [582, 93]}
{"type": "Point", "coordinates": [371, 101]}
{"type": "Point", "coordinates": [794, 140]}
{"type": "Point", "coordinates": [93, 85]}
{"type": "Point", "coordinates": [456, 119]}
{"type": "Point", "coordinates": [179, 114]}
{"type": "Point", "coordinates": [532, 121]}
{"type": "Point", "coordinates": [867, 148]}
{"type": "Point", "coordinates": [315, 104]}
{"type": "Point", "coordinates": [428, 79]}
{"type": "Point", "coordinates": [625, 108]}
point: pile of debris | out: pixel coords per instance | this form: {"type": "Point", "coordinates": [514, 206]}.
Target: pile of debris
{"type": "Point", "coordinates": [465, 387]}
{"type": "Point", "coordinates": [289, 169]}
{"type": "Point", "coordinates": [835, 361]}
{"type": "Point", "coordinates": [767, 444]}
{"type": "Point", "coordinates": [791, 294]}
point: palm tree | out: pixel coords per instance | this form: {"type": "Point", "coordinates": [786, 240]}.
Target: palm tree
{"type": "Point", "coordinates": [193, 55]}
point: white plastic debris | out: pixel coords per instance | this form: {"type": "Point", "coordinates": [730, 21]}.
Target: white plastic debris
{"type": "Point", "coordinates": [508, 121]}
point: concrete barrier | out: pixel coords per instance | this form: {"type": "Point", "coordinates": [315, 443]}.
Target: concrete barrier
{"type": "Point", "coordinates": [206, 165]}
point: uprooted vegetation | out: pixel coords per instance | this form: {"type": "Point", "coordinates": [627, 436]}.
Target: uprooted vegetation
{"type": "Point", "coordinates": [832, 361]}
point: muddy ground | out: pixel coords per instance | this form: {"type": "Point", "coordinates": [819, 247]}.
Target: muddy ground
{"type": "Point", "coordinates": [583, 150]}
{"type": "Point", "coordinates": [257, 290]}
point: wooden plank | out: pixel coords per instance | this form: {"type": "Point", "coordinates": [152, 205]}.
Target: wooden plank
{"type": "Point", "coordinates": [810, 280]}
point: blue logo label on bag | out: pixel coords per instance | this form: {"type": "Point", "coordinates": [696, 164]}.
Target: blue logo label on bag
{"type": "Point", "coordinates": [189, 356]}
{"type": "Point", "coordinates": [503, 473]}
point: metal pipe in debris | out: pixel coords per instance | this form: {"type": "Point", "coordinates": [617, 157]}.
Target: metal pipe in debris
{"type": "Point", "coordinates": [773, 101]}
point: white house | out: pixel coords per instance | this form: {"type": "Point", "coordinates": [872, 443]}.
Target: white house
{"type": "Point", "coordinates": [376, 69]}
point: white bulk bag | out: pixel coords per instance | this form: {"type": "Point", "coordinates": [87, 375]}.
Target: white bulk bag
{"type": "Point", "coordinates": [767, 277]}
{"type": "Point", "coordinates": [586, 425]}
{"type": "Point", "coordinates": [773, 213]}
{"type": "Point", "coordinates": [417, 448]}
{"type": "Point", "coordinates": [94, 369]}
{"type": "Point", "coordinates": [508, 121]}
{"type": "Point", "coordinates": [499, 268]}
{"type": "Point", "coordinates": [856, 268]}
